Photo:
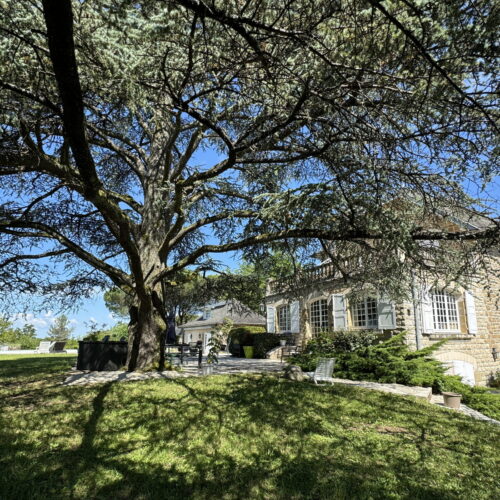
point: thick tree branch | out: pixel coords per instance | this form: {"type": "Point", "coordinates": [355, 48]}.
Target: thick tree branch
{"type": "Point", "coordinates": [180, 235]}
{"type": "Point", "coordinates": [59, 20]}
{"type": "Point", "coordinates": [491, 233]}
{"type": "Point", "coordinates": [44, 101]}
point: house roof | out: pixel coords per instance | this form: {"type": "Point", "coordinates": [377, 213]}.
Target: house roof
{"type": "Point", "coordinates": [237, 312]}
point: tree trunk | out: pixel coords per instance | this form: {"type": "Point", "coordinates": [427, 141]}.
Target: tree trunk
{"type": "Point", "coordinates": [148, 325]}
{"type": "Point", "coordinates": [147, 329]}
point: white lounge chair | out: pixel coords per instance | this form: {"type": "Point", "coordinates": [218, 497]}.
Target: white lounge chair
{"type": "Point", "coordinates": [324, 370]}
{"type": "Point", "coordinates": [49, 347]}
{"type": "Point", "coordinates": [44, 347]}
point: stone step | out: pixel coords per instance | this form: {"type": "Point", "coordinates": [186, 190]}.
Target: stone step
{"type": "Point", "coordinates": [402, 390]}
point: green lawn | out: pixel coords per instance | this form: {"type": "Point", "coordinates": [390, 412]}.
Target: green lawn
{"type": "Point", "coordinates": [231, 437]}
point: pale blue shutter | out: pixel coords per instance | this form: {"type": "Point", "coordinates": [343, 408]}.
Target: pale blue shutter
{"type": "Point", "coordinates": [427, 312]}
{"type": "Point", "coordinates": [470, 310]}
{"type": "Point", "coordinates": [270, 319]}
{"type": "Point", "coordinates": [386, 314]}
{"type": "Point", "coordinates": [339, 312]}
{"type": "Point", "coordinates": [295, 317]}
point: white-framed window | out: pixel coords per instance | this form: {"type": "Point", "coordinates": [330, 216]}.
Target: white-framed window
{"type": "Point", "coordinates": [445, 311]}
{"type": "Point", "coordinates": [284, 319]}
{"type": "Point", "coordinates": [365, 313]}
{"type": "Point", "coordinates": [319, 315]}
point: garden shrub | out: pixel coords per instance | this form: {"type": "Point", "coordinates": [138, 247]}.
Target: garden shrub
{"type": "Point", "coordinates": [242, 335]}
{"type": "Point", "coordinates": [114, 333]}
{"type": "Point", "coordinates": [350, 341]}
{"type": "Point", "coordinates": [330, 344]}
{"type": "Point", "coordinates": [264, 342]}
{"type": "Point", "coordinates": [478, 398]}
{"type": "Point", "coordinates": [390, 361]}
{"type": "Point", "coordinates": [494, 380]}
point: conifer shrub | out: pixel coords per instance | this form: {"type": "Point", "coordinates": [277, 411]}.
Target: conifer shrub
{"type": "Point", "coordinates": [390, 361]}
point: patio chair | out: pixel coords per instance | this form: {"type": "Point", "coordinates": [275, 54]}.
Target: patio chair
{"type": "Point", "coordinates": [193, 349]}
{"type": "Point", "coordinates": [324, 370]}
{"type": "Point", "coordinates": [44, 347]}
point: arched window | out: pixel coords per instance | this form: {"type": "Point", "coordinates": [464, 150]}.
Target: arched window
{"type": "Point", "coordinates": [319, 315]}
{"type": "Point", "coordinates": [284, 320]}
{"type": "Point", "coordinates": [445, 311]}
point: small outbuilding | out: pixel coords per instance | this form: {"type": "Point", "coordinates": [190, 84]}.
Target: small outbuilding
{"type": "Point", "coordinates": [212, 318]}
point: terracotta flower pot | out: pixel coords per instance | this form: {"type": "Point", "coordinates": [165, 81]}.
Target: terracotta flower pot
{"type": "Point", "coordinates": [452, 400]}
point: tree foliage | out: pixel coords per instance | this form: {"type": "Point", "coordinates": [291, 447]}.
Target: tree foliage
{"type": "Point", "coordinates": [141, 138]}
{"type": "Point", "coordinates": [22, 338]}
{"type": "Point", "coordinates": [60, 328]}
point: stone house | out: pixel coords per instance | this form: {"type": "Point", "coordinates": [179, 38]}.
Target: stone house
{"type": "Point", "coordinates": [212, 317]}
{"type": "Point", "coordinates": [468, 318]}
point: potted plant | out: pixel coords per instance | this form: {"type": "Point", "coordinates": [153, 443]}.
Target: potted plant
{"type": "Point", "coordinates": [248, 350]}
{"type": "Point", "coordinates": [282, 342]}
{"type": "Point", "coordinates": [452, 400]}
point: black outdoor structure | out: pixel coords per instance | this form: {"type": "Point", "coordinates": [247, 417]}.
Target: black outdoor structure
{"type": "Point", "coordinates": [101, 356]}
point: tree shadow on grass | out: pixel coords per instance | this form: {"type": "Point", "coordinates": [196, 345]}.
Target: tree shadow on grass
{"type": "Point", "coordinates": [262, 470]}
{"type": "Point", "coordinates": [250, 437]}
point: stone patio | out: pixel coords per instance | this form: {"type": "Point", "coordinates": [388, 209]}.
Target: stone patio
{"type": "Point", "coordinates": [227, 365]}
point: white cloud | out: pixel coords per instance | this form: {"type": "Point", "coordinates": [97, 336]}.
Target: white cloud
{"type": "Point", "coordinates": [39, 322]}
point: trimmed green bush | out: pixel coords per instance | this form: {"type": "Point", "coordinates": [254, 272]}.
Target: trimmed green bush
{"type": "Point", "coordinates": [494, 380]}
{"type": "Point", "coordinates": [476, 397]}
{"type": "Point", "coordinates": [242, 335]}
{"type": "Point", "coordinates": [264, 342]}
{"type": "Point", "coordinates": [116, 332]}
{"type": "Point", "coordinates": [331, 344]}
